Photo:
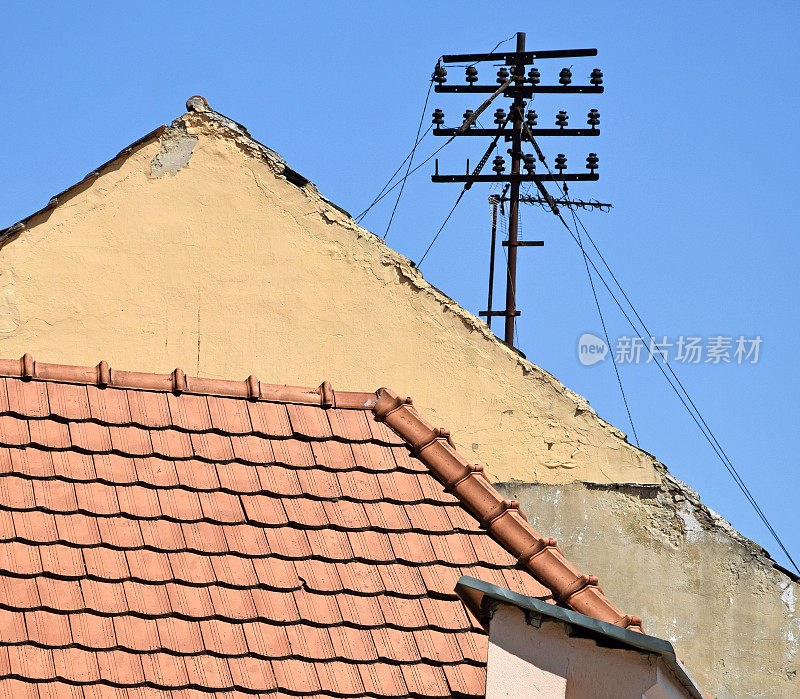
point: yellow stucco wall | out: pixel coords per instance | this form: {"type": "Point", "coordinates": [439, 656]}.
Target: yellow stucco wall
{"type": "Point", "coordinates": [224, 268]}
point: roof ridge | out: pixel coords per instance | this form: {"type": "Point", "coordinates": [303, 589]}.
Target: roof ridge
{"type": "Point", "coordinates": [177, 382]}
{"type": "Point", "coordinates": [502, 518]}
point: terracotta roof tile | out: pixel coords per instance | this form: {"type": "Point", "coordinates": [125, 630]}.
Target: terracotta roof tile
{"type": "Point", "coordinates": [349, 425]}
{"type": "Point", "coordinates": [279, 480]}
{"type": "Point", "coordinates": [171, 444]}
{"type": "Point", "coordinates": [271, 419]}
{"type": "Point", "coordinates": [340, 677]}
{"type": "Point", "coordinates": [157, 472]}
{"type": "Point", "coordinates": [333, 455]}
{"type": "Point", "coordinates": [13, 430]}
{"type": "Point", "coordinates": [360, 484]}
{"type": "Point", "coordinates": [229, 416]}
{"type": "Point", "coordinates": [46, 629]}
{"type": "Point", "coordinates": [25, 398]}
{"type": "Point", "coordinates": [462, 678]}
{"type": "Point", "coordinates": [182, 538]}
{"type": "Point", "coordinates": [383, 678]}
{"type": "Point", "coordinates": [280, 606]}
{"type": "Point", "coordinates": [72, 466]}
{"type": "Point", "coordinates": [62, 560]}
{"type": "Point", "coordinates": [309, 421]}
{"type": "Point", "coordinates": [238, 477]}
{"type": "Point", "coordinates": [134, 633]}
{"type": "Point", "coordinates": [189, 412]}
{"type": "Point", "coordinates": [121, 668]}
{"type": "Point", "coordinates": [265, 639]}
{"type": "Point", "coordinates": [425, 679]}
{"type": "Point", "coordinates": [130, 440]}
{"type": "Point", "coordinates": [204, 537]}
{"type": "Point", "coordinates": [88, 436]}
{"type": "Point", "coordinates": [50, 434]}
{"type": "Point", "coordinates": [149, 409]}
{"type": "Point", "coordinates": [373, 457]}
{"type": "Point", "coordinates": [113, 468]}
{"type": "Point", "coordinates": [247, 540]}
{"type": "Point", "coordinates": [19, 689]}
{"type": "Point", "coordinates": [295, 675]}
{"type": "Point", "coordinates": [80, 530]}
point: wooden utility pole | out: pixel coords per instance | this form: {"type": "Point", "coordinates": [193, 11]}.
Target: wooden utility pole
{"type": "Point", "coordinates": [517, 128]}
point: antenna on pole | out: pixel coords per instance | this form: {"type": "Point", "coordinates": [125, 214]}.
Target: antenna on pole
{"type": "Point", "coordinates": [517, 128]}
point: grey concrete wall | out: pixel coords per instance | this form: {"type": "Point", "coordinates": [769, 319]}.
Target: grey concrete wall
{"type": "Point", "coordinates": [661, 554]}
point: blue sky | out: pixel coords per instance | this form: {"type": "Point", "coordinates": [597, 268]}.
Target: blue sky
{"type": "Point", "coordinates": [698, 153]}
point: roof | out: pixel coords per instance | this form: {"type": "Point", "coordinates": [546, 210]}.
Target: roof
{"type": "Point", "coordinates": [480, 596]}
{"type": "Point", "coordinates": [183, 535]}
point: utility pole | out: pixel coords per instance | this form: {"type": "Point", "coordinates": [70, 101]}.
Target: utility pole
{"type": "Point", "coordinates": [517, 128]}
{"type": "Point", "coordinates": [518, 71]}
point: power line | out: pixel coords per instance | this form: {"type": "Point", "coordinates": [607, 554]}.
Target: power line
{"type": "Point", "coordinates": [699, 419]}
{"type": "Point", "coordinates": [605, 332]}
{"type": "Point", "coordinates": [693, 411]}
{"type": "Point", "coordinates": [441, 228]}
{"type": "Point", "coordinates": [383, 191]}
{"type": "Point", "coordinates": [400, 181]}
{"type": "Point", "coordinates": [466, 186]}
{"type": "Point", "coordinates": [411, 157]}
{"type": "Point", "coordinates": [690, 406]}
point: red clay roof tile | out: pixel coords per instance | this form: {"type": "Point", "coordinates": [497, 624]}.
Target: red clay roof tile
{"type": "Point", "coordinates": [360, 485]}
{"type": "Point", "coordinates": [229, 416]}
{"type": "Point", "coordinates": [149, 409]}
{"type": "Point", "coordinates": [53, 435]}
{"type": "Point", "coordinates": [194, 537]}
{"type": "Point", "coordinates": [271, 419]}
{"type": "Point", "coordinates": [26, 398]}
{"type": "Point", "coordinates": [171, 444]}
{"type": "Point", "coordinates": [189, 412]}
{"type": "Point", "coordinates": [88, 436]}
{"type": "Point", "coordinates": [130, 440]}
{"type": "Point", "coordinates": [68, 401]}
{"type": "Point", "coordinates": [14, 431]}
{"type": "Point", "coordinates": [16, 629]}
{"type": "Point", "coordinates": [385, 679]}
{"type": "Point", "coordinates": [309, 421]}
{"type": "Point", "coordinates": [121, 668]}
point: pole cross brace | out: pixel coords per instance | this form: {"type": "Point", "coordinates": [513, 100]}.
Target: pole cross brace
{"type": "Point", "coordinates": [524, 244]}
{"type": "Point", "coordinates": [499, 313]}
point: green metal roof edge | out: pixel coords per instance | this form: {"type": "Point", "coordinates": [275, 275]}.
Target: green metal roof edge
{"type": "Point", "coordinates": [467, 586]}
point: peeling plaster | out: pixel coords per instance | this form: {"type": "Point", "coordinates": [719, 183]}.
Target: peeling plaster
{"type": "Point", "coordinates": [788, 596]}
{"type": "Point", "coordinates": [661, 554]}
{"type": "Point", "coordinates": [176, 150]}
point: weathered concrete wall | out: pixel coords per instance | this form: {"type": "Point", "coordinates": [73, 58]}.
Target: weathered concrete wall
{"type": "Point", "coordinates": [696, 582]}
{"type": "Point", "coordinates": [195, 252]}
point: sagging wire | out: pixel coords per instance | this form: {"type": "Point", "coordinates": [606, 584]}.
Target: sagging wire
{"type": "Point", "coordinates": [682, 394]}
{"type": "Point", "coordinates": [411, 156]}
{"type": "Point", "coordinates": [464, 189]}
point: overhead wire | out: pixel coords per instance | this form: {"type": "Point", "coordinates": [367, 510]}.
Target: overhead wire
{"type": "Point", "coordinates": [403, 179]}
{"type": "Point", "coordinates": [605, 332]}
{"type": "Point", "coordinates": [411, 157]}
{"type": "Point", "coordinates": [682, 394]}
{"type": "Point", "coordinates": [464, 189]}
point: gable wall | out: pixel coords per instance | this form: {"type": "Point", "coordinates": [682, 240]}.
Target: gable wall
{"type": "Point", "coordinates": [217, 265]}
